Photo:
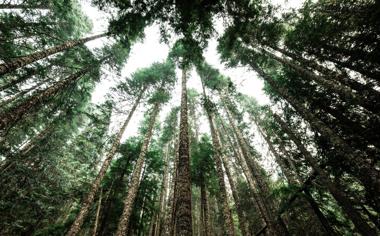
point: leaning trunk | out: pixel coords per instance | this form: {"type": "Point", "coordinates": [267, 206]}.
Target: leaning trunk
{"type": "Point", "coordinates": [273, 222]}
{"type": "Point", "coordinates": [26, 60]}
{"type": "Point", "coordinates": [183, 221]}
{"type": "Point", "coordinates": [76, 226]}
{"type": "Point", "coordinates": [346, 204]}
{"type": "Point", "coordinates": [358, 164]}
{"type": "Point", "coordinates": [12, 116]}
{"type": "Point", "coordinates": [136, 175]}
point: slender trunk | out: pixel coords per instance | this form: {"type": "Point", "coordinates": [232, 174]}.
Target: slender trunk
{"type": "Point", "coordinates": [9, 118]}
{"type": "Point", "coordinates": [22, 93]}
{"type": "Point", "coordinates": [293, 179]}
{"type": "Point", "coordinates": [362, 89]}
{"type": "Point", "coordinates": [22, 78]}
{"type": "Point", "coordinates": [257, 201]}
{"type": "Point", "coordinates": [136, 176]}
{"type": "Point", "coordinates": [24, 6]}
{"type": "Point", "coordinates": [345, 92]}
{"type": "Point", "coordinates": [183, 221]}
{"type": "Point", "coordinates": [94, 232]}
{"type": "Point", "coordinates": [356, 163]}
{"type": "Point", "coordinates": [76, 226]}
{"type": "Point", "coordinates": [346, 204]}
{"type": "Point", "coordinates": [256, 178]}
{"type": "Point", "coordinates": [322, 219]}
{"type": "Point", "coordinates": [239, 210]}
{"type": "Point", "coordinates": [26, 60]}
{"type": "Point", "coordinates": [161, 211]}
{"type": "Point", "coordinates": [227, 216]}
{"type": "Point", "coordinates": [204, 210]}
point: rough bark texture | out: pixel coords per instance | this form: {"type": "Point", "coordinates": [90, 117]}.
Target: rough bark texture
{"type": "Point", "coordinates": [183, 221]}
{"type": "Point", "coordinates": [243, 224]}
{"type": "Point", "coordinates": [76, 226]}
{"type": "Point", "coordinates": [358, 164]}
{"type": "Point", "coordinates": [12, 116]}
{"type": "Point", "coordinates": [134, 184]}
{"type": "Point", "coordinates": [345, 92]}
{"type": "Point", "coordinates": [95, 230]}
{"type": "Point", "coordinates": [256, 179]}
{"type": "Point", "coordinates": [162, 202]}
{"type": "Point", "coordinates": [229, 224]}
{"type": "Point", "coordinates": [206, 231]}
{"type": "Point", "coordinates": [346, 204]}
{"type": "Point", "coordinates": [26, 60]}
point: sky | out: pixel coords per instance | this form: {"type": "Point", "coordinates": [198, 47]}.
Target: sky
{"type": "Point", "coordinates": [150, 50]}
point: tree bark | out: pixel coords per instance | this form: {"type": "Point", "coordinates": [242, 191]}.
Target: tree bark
{"type": "Point", "coordinates": [136, 176]}
{"type": "Point", "coordinates": [183, 220]}
{"type": "Point", "coordinates": [76, 226]}
{"type": "Point", "coordinates": [9, 118]}
{"type": "Point", "coordinates": [335, 86]}
{"type": "Point", "coordinates": [206, 231]}
{"type": "Point", "coordinates": [358, 165]}
{"type": "Point", "coordinates": [26, 60]}
{"type": "Point", "coordinates": [254, 176]}
{"type": "Point", "coordinates": [346, 204]}
{"type": "Point", "coordinates": [161, 211]}
{"type": "Point", "coordinates": [218, 155]}
{"type": "Point", "coordinates": [95, 230]}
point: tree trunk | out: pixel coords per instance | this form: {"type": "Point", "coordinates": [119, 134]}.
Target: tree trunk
{"type": "Point", "coordinates": [76, 226]}
{"type": "Point", "coordinates": [206, 231]}
{"type": "Point", "coordinates": [9, 118]}
{"type": "Point", "coordinates": [292, 178]}
{"type": "Point", "coordinates": [346, 204]}
{"type": "Point", "coordinates": [94, 232]}
{"type": "Point", "coordinates": [161, 211]}
{"type": "Point", "coordinates": [26, 60]}
{"type": "Point", "coordinates": [29, 73]}
{"type": "Point", "coordinates": [358, 164]}
{"type": "Point", "coordinates": [345, 92]}
{"type": "Point", "coordinates": [244, 227]}
{"type": "Point", "coordinates": [254, 176]}
{"type": "Point", "coordinates": [134, 184]}
{"type": "Point", "coordinates": [22, 93]}
{"type": "Point", "coordinates": [218, 155]}
{"type": "Point", "coordinates": [183, 221]}
{"type": "Point", "coordinates": [322, 219]}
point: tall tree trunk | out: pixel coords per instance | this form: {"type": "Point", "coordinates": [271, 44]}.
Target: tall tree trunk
{"type": "Point", "coordinates": [218, 155]}
{"type": "Point", "coordinates": [357, 164]}
{"type": "Point", "coordinates": [346, 204]}
{"type": "Point", "coordinates": [22, 93]}
{"type": "Point", "coordinates": [254, 176]}
{"type": "Point", "coordinates": [206, 231]}
{"type": "Point", "coordinates": [95, 230]}
{"type": "Point", "coordinates": [239, 210]}
{"type": "Point", "coordinates": [9, 118]}
{"type": "Point", "coordinates": [322, 219]}
{"type": "Point", "coordinates": [335, 86]}
{"type": "Point", "coordinates": [162, 203]}
{"type": "Point", "coordinates": [134, 184]}
{"type": "Point", "coordinates": [19, 62]}
{"type": "Point", "coordinates": [29, 73]}
{"type": "Point", "coordinates": [183, 221]}
{"type": "Point", "coordinates": [257, 200]}
{"type": "Point", "coordinates": [76, 226]}
{"type": "Point", "coordinates": [292, 178]}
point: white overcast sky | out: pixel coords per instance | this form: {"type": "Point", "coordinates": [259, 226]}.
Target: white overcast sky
{"type": "Point", "coordinates": [150, 50]}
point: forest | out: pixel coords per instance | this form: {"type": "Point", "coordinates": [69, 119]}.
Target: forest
{"type": "Point", "coordinates": [196, 162]}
